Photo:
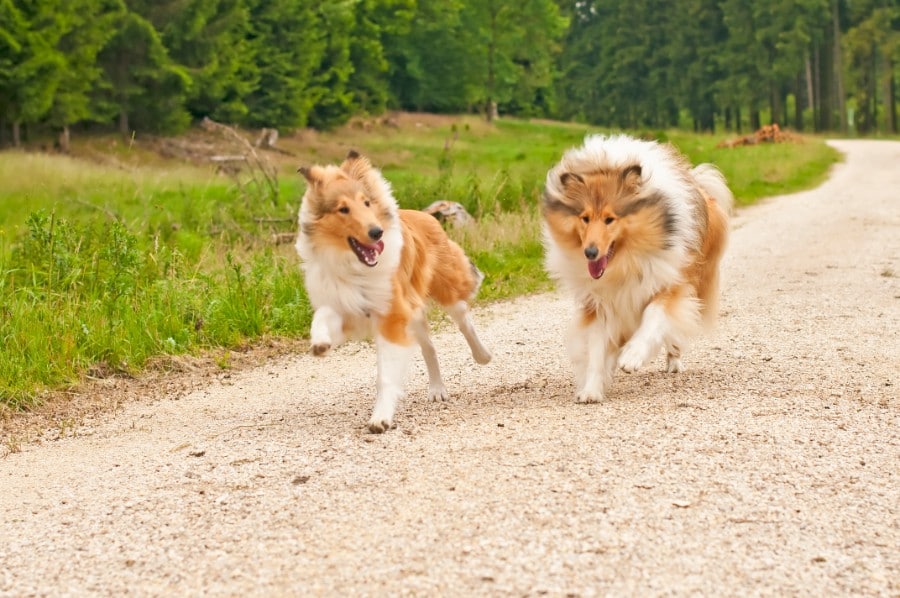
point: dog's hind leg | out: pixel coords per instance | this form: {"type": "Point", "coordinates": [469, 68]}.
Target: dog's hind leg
{"type": "Point", "coordinates": [673, 359]}
{"type": "Point", "coordinates": [436, 389]}
{"type": "Point", "coordinates": [326, 330]}
{"type": "Point", "coordinates": [459, 311]}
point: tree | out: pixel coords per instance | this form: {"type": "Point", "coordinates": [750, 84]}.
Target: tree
{"type": "Point", "coordinates": [432, 64]}
{"type": "Point", "coordinates": [376, 22]}
{"type": "Point", "coordinates": [209, 39]}
{"type": "Point", "coordinates": [143, 86]}
{"type": "Point", "coordinates": [83, 28]}
{"type": "Point", "coordinates": [872, 49]}
{"type": "Point", "coordinates": [515, 43]}
{"type": "Point", "coordinates": [32, 66]}
{"type": "Point", "coordinates": [328, 84]}
{"type": "Point", "coordinates": [288, 43]}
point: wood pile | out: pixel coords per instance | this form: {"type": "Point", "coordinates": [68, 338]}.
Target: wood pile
{"type": "Point", "coordinates": [766, 134]}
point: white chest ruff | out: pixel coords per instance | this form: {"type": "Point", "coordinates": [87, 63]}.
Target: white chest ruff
{"type": "Point", "coordinates": [618, 301]}
{"type": "Point", "coordinates": [337, 279]}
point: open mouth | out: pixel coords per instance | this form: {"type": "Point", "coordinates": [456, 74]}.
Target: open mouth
{"type": "Point", "coordinates": [367, 254]}
{"type": "Point", "coordinates": [598, 266]}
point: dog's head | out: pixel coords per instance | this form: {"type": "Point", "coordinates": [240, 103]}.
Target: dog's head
{"type": "Point", "coordinates": [348, 206]}
{"type": "Point", "coordinates": [590, 212]}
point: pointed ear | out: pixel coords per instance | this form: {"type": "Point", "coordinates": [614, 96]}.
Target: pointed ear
{"type": "Point", "coordinates": [312, 174]}
{"type": "Point", "coordinates": [356, 165]}
{"type": "Point", "coordinates": [570, 178]}
{"type": "Point", "coordinates": [631, 176]}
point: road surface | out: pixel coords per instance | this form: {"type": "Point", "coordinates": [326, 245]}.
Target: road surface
{"type": "Point", "coordinates": [770, 467]}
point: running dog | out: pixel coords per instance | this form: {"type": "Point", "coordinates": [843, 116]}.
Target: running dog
{"type": "Point", "coordinates": [635, 236]}
{"type": "Point", "coordinates": [370, 269]}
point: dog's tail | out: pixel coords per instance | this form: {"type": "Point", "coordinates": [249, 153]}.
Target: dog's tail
{"type": "Point", "coordinates": [713, 182]}
{"type": "Point", "coordinates": [478, 276]}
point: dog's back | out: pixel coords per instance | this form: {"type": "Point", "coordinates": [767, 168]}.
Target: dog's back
{"type": "Point", "coordinates": [434, 266]}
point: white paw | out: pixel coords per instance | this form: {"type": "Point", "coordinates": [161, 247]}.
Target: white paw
{"type": "Point", "coordinates": [589, 397]}
{"type": "Point", "coordinates": [383, 414]}
{"type": "Point", "coordinates": [320, 348]}
{"type": "Point", "coordinates": [632, 357]}
{"type": "Point", "coordinates": [437, 393]}
{"type": "Point", "coordinates": [674, 365]}
{"type": "Point", "coordinates": [379, 425]}
{"type": "Point", "coordinates": [482, 357]}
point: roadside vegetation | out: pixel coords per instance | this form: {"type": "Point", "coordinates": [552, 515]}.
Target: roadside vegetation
{"type": "Point", "coordinates": [115, 255]}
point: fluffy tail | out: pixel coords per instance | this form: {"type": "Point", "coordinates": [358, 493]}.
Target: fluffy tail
{"type": "Point", "coordinates": [713, 182]}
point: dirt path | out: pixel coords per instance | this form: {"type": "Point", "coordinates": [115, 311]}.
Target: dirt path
{"type": "Point", "coordinates": [772, 466]}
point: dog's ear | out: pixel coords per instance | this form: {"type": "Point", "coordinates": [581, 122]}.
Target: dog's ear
{"type": "Point", "coordinates": [356, 165]}
{"type": "Point", "coordinates": [631, 176]}
{"type": "Point", "coordinates": [312, 174]}
{"type": "Point", "coordinates": [568, 179]}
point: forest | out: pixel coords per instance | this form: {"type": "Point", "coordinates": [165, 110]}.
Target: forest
{"type": "Point", "coordinates": [157, 66]}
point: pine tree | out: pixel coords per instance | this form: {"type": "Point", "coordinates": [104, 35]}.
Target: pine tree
{"type": "Point", "coordinates": [143, 87]}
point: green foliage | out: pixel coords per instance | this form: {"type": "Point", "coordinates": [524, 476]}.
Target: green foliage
{"type": "Point", "coordinates": [155, 65]}
{"type": "Point", "coordinates": [78, 296]}
{"type": "Point", "coordinates": [145, 88]}
{"type": "Point", "coordinates": [210, 38]}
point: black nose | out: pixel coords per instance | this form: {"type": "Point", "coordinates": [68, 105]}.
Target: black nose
{"type": "Point", "coordinates": [591, 252]}
{"type": "Point", "coordinates": [375, 233]}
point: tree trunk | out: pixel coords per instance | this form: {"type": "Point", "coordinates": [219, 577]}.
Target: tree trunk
{"type": "Point", "coordinates": [64, 139]}
{"type": "Point", "coordinates": [17, 133]}
{"type": "Point", "coordinates": [838, 68]}
{"type": "Point", "coordinates": [776, 110]}
{"type": "Point", "coordinates": [890, 99]}
{"type": "Point", "coordinates": [489, 105]}
{"type": "Point", "coordinates": [754, 119]}
{"type": "Point", "coordinates": [798, 102]}
{"type": "Point", "coordinates": [124, 129]}
{"type": "Point", "coordinates": [810, 95]}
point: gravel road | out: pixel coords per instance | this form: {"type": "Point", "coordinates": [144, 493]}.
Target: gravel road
{"type": "Point", "coordinates": [770, 467]}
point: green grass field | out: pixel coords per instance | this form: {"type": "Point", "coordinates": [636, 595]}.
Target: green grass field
{"type": "Point", "coordinates": [120, 255]}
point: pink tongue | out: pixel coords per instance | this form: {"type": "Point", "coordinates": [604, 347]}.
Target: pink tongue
{"type": "Point", "coordinates": [597, 267]}
{"type": "Point", "coordinates": [379, 246]}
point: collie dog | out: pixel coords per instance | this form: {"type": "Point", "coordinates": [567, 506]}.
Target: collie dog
{"type": "Point", "coordinates": [369, 270]}
{"type": "Point", "coordinates": [635, 236]}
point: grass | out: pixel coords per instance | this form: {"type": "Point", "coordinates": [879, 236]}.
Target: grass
{"type": "Point", "coordinates": [109, 262]}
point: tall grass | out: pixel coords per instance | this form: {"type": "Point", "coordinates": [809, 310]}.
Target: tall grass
{"type": "Point", "coordinates": [103, 266]}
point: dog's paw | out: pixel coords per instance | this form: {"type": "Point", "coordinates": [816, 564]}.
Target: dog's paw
{"type": "Point", "coordinates": [320, 349]}
{"type": "Point", "coordinates": [632, 358]}
{"type": "Point", "coordinates": [437, 393]}
{"type": "Point", "coordinates": [588, 397]}
{"type": "Point", "coordinates": [379, 426]}
{"type": "Point", "coordinates": [674, 365]}
{"type": "Point", "coordinates": [482, 357]}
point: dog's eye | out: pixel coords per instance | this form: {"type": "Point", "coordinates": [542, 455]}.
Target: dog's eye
{"type": "Point", "coordinates": [585, 219]}
{"type": "Point", "coordinates": [344, 210]}
{"type": "Point", "coordinates": [367, 203]}
{"type": "Point", "coordinates": [609, 220]}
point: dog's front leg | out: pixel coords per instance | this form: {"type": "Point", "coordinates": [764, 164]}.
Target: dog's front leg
{"type": "Point", "coordinates": [326, 330]}
{"type": "Point", "coordinates": [647, 339]}
{"type": "Point", "coordinates": [589, 354]}
{"type": "Point", "coordinates": [393, 362]}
